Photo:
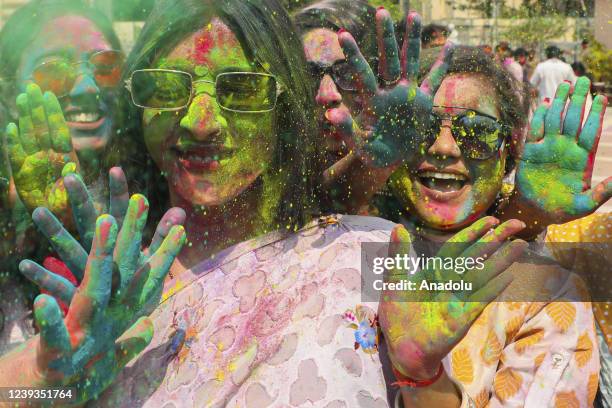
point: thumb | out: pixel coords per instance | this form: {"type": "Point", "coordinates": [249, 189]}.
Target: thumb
{"type": "Point", "coordinates": [134, 341]}
{"type": "Point", "coordinates": [601, 193]}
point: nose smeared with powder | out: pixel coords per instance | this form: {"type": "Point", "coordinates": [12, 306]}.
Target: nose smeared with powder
{"type": "Point", "coordinates": [327, 93]}
{"type": "Point", "coordinates": [203, 118]}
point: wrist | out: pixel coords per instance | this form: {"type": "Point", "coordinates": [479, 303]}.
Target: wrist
{"type": "Point", "coordinates": [418, 377]}
{"type": "Point", "coordinates": [19, 367]}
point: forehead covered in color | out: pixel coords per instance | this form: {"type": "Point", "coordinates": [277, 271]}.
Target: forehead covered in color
{"type": "Point", "coordinates": [321, 46]}
{"type": "Point", "coordinates": [71, 33]}
{"type": "Point", "coordinates": [213, 47]}
{"type": "Point", "coordinates": [467, 90]}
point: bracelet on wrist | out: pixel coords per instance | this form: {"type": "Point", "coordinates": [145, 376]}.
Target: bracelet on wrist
{"type": "Point", "coordinates": [403, 381]}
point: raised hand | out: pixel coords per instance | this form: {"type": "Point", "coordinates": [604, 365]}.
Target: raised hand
{"type": "Point", "coordinates": [422, 327]}
{"type": "Point", "coordinates": [553, 179]}
{"type": "Point", "coordinates": [38, 150]}
{"type": "Point", "coordinates": [129, 255]}
{"type": "Point", "coordinates": [98, 336]}
{"type": "Point", "coordinates": [393, 112]}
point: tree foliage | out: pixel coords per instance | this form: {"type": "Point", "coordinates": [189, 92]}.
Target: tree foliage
{"type": "Point", "coordinates": [534, 31]}
{"type": "Point", "coordinates": [599, 61]}
{"type": "Point", "coordinates": [533, 8]}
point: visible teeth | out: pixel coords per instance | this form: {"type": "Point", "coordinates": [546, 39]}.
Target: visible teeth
{"type": "Point", "coordinates": [443, 176]}
{"type": "Point", "coordinates": [201, 159]}
{"type": "Point", "coordinates": [83, 117]}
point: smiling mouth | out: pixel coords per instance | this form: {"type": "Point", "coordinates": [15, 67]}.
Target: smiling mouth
{"type": "Point", "coordinates": [83, 117]}
{"type": "Point", "coordinates": [442, 182]}
{"type": "Point", "coordinates": [86, 120]}
{"type": "Point", "coordinates": [202, 157]}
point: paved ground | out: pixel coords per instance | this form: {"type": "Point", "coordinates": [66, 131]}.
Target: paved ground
{"type": "Point", "coordinates": [603, 160]}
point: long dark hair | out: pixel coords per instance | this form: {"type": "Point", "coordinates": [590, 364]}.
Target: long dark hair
{"type": "Point", "coordinates": [267, 36]}
{"type": "Point", "coordinates": [24, 25]}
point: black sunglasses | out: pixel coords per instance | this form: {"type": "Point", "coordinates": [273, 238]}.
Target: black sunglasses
{"type": "Point", "coordinates": [478, 135]}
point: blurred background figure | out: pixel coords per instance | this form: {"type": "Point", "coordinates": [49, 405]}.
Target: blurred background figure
{"type": "Point", "coordinates": [434, 35]}
{"type": "Point", "coordinates": [522, 57]}
{"type": "Point", "coordinates": [583, 57]}
{"type": "Point", "coordinates": [549, 74]}
{"type": "Point", "coordinates": [503, 55]}
{"type": "Point", "coordinates": [487, 50]}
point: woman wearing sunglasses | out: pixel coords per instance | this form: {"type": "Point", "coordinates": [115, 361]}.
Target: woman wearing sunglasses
{"type": "Point", "coordinates": [71, 50]}
{"type": "Point", "coordinates": [462, 139]}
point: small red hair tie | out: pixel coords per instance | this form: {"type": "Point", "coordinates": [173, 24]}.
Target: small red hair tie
{"type": "Point", "coordinates": [403, 381]}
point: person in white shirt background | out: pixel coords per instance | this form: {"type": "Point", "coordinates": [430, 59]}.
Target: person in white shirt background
{"type": "Point", "coordinates": [549, 74]}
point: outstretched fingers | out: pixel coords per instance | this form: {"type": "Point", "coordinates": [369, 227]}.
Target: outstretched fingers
{"type": "Point", "coordinates": [133, 341]}
{"type": "Point", "coordinates": [119, 194]}
{"type": "Point", "coordinates": [172, 217]}
{"type": "Point", "coordinates": [363, 75]}
{"type": "Point", "coordinates": [438, 70]}
{"type": "Point", "coordinates": [54, 336]}
{"type": "Point", "coordinates": [389, 68]}
{"type": "Point", "coordinates": [552, 122]}
{"type": "Point", "coordinates": [83, 209]}
{"type": "Point", "coordinates": [127, 249]}
{"type": "Point", "coordinates": [59, 131]}
{"type": "Point", "coordinates": [39, 116]}
{"type": "Point", "coordinates": [58, 286]}
{"type": "Point", "coordinates": [93, 294]}
{"type": "Point", "coordinates": [536, 128]}
{"type": "Point", "coordinates": [411, 48]}
{"type": "Point", "coordinates": [16, 152]}
{"type": "Point", "coordinates": [575, 111]}
{"type": "Point", "coordinates": [68, 249]}
{"type": "Point", "coordinates": [591, 132]}
{"type": "Point", "coordinates": [148, 280]}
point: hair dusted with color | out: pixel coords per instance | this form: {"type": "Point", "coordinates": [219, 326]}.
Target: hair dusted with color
{"type": "Point", "coordinates": [355, 16]}
{"type": "Point", "coordinates": [267, 37]}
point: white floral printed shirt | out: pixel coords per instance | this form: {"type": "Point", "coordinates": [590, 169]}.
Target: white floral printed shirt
{"type": "Point", "coordinates": [279, 322]}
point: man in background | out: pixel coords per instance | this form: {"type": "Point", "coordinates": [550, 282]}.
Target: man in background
{"type": "Point", "coordinates": [549, 74]}
{"type": "Point", "coordinates": [521, 56]}
{"type": "Point", "coordinates": [434, 35]}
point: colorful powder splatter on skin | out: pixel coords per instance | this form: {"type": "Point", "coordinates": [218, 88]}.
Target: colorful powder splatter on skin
{"type": "Point", "coordinates": [484, 176]}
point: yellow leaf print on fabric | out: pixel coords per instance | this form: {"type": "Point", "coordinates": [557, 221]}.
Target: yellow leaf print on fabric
{"type": "Point", "coordinates": [584, 350]}
{"type": "Point", "coordinates": [491, 350]}
{"type": "Point", "coordinates": [513, 326]}
{"type": "Point", "coordinates": [538, 360]}
{"type": "Point", "coordinates": [592, 386]}
{"type": "Point", "coordinates": [482, 399]}
{"type": "Point", "coordinates": [507, 383]}
{"type": "Point", "coordinates": [462, 366]}
{"type": "Point", "coordinates": [533, 309]}
{"type": "Point", "coordinates": [566, 400]}
{"type": "Point", "coordinates": [563, 314]}
{"type": "Point", "coordinates": [528, 339]}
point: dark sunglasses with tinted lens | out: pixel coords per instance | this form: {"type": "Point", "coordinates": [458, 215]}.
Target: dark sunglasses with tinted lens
{"type": "Point", "coordinates": [478, 135]}
{"type": "Point", "coordinates": [242, 92]}
{"type": "Point", "coordinates": [340, 72]}
{"type": "Point", "coordinates": [58, 75]}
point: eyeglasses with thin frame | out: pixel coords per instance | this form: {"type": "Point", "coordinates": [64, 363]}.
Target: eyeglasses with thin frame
{"type": "Point", "coordinates": [59, 75]}
{"type": "Point", "coordinates": [174, 90]}
{"type": "Point", "coordinates": [479, 135]}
